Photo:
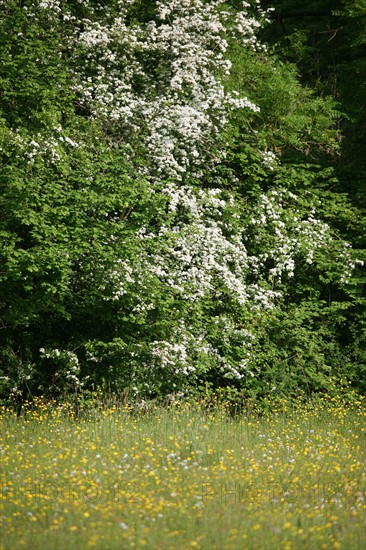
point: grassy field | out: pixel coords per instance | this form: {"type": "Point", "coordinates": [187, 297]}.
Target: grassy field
{"type": "Point", "coordinates": [183, 477]}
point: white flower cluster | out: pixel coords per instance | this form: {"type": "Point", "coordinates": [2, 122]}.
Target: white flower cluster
{"type": "Point", "coordinates": [294, 235]}
{"type": "Point", "coordinates": [177, 356]}
{"type": "Point", "coordinates": [241, 102]}
{"type": "Point", "coordinates": [48, 146]}
{"type": "Point", "coordinates": [53, 5]}
{"type": "Point", "coordinates": [240, 337]}
{"type": "Point", "coordinates": [116, 281]}
{"type": "Point", "coordinates": [269, 159]}
{"type": "Point", "coordinates": [68, 363]}
{"type": "Point", "coordinates": [159, 83]}
{"type": "Point", "coordinates": [348, 263]}
{"type": "Point", "coordinates": [203, 254]}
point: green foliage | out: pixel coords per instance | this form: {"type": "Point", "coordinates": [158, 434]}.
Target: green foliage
{"type": "Point", "coordinates": [329, 52]}
{"type": "Point", "coordinates": [292, 119]}
{"type": "Point", "coordinates": [168, 223]}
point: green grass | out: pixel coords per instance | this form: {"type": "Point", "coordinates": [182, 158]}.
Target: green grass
{"type": "Point", "coordinates": [184, 477]}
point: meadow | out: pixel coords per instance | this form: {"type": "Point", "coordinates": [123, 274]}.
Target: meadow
{"type": "Point", "coordinates": [184, 476]}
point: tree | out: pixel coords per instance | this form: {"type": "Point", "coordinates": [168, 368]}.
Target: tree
{"type": "Point", "coordinates": [153, 237]}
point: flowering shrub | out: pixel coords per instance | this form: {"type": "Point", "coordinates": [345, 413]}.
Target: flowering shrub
{"type": "Point", "coordinates": [152, 227]}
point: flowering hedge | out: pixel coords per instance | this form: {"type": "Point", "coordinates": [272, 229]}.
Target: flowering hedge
{"type": "Point", "coordinates": [157, 215]}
